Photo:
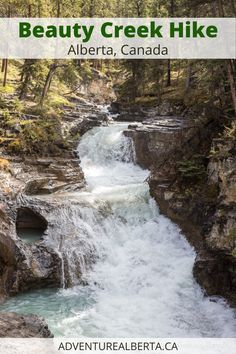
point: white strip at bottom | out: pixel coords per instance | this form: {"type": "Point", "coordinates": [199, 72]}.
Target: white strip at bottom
{"type": "Point", "coordinates": [121, 345]}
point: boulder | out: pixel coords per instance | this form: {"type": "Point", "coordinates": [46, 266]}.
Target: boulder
{"type": "Point", "coordinates": [24, 266]}
{"type": "Point", "coordinates": [13, 325]}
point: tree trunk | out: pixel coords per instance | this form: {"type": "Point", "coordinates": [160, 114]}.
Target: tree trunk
{"type": "Point", "coordinates": [231, 83]}
{"type": "Point", "coordinates": [228, 64]}
{"type": "Point", "coordinates": [189, 76]}
{"type": "Point", "coordinates": [233, 7]}
{"type": "Point", "coordinates": [168, 81]}
{"type": "Point", "coordinates": [5, 61]}
{"type": "Point", "coordinates": [221, 8]}
{"type": "Point", "coordinates": [171, 14]}
{"type": "Point", "coordinates": [47, 82]}
{"type": "Point", "coordinates": [24, 87]}
{"type": "Point", "coordinates": [22, 76]}
{"type": "Point", "coordinates": [25, 78]}
{"type": "Point", "coordinates": [91, 8]}
{"type": "Point", "coordinates": [179, 67]}
{"type": "Point", "coordinates": [30, 10]}
{"type": "Point", "coordinates": [58, 8]}
{"type": "Point", "coordinates": [3, 65]}
{"type": "Point", "coordinates": [5, 73]}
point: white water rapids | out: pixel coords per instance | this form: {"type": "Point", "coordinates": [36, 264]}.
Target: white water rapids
{"type": "Point", "coordinates": [141, 282]}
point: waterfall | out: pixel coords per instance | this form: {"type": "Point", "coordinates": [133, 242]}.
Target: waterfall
{"type": "Point", "coordinates": [130, 267]}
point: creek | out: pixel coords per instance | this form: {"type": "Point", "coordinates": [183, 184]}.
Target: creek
{"type": "Point", "coordinates": [139, 281]}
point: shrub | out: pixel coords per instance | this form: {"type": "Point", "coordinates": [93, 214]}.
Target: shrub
{"type": "Point", "coordinates": [232, 234]}
{"type": "Point", "coordinates": [39, 137]}
{"type": "Point", "coordinates": [193, 169]}
{"type": "Point", "coordinates": [234, 253]}
{"type": "Point", "coordinates": [15, 146]}
{"type": "Point", "coordinates": [230, 132]}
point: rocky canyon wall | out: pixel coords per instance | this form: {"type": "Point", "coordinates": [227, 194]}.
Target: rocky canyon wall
{"type": "Point", "coordinates": [193, 175]}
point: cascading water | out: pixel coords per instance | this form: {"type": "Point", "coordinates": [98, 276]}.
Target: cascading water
{"type": "Point", "coordinates": [140, 283]}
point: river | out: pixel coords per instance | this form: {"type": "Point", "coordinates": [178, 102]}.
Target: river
{"type": "Point", "coordinates": [140, 283]}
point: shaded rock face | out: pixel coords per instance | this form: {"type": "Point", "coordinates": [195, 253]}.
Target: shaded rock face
{"type": "Point", "coordinates": [24, 266]}
{"type": "Point", "coordinates": [99, 89]}
{"type": "Point", "coordinates": [13, 325]}
{"type": "Point", "coordinates": [83, 117]}
{"type": "Point", "coordinates": [220, 273]}
{"type": "Point", "coordinates": [7, 253]}
{"type": "Point", "coordinates": [139, 113]}
{"type": "Point", "coordinates": [31, 266]}
{"type": "Point", "coordinates": [88, 123]}
{"type": "Point", "coordinates": [205, 211]}
{"type": "Point", "coordinates": [28, 219]}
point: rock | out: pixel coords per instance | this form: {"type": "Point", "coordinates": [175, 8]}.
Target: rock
{"type": "Point", "coordinates": [115, 107]}
{"type": "Point", "coordinates": [139, 113]}
{"type": "Point", "coordinates": [222, 168]}
{"type": "Point", "coordinates": [24, 266]}
{"type": "Point", "coordinates": [35, 176]}
{"type": "Point", "coordinates": [28, 219]}
{"type": "Point", "coordinates": [206, 212]}
{"type": "Point", "coordinates": [60, 174]}
{"type": "Point", "coordinates": [13, 325]}
{"type": "Point", "coordinates": [167, 108]}
{"type": "Point", "coordinates": [159, 138]}
{"type": "Point", "coordinates": [23, 187]}
{"type": "Point", "coordinates": [88, 123]}
{"type": "Point", "coordinates": [98, 88]}
{"type": "Point", "coordinates": [217, 274]}
{"type": "Point", "coordinates": [131, 114]}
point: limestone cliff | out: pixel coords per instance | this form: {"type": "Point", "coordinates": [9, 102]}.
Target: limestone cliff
{"type": "Point", "coordinates": [193, 181]}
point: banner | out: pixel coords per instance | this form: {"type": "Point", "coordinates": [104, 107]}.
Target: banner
{"type": "Point", "coordinates": [111, 345]}
{"type": "Point", "coordinates": [118, 38]}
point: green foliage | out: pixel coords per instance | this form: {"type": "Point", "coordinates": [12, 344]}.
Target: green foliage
{"type": "Point", "coordinates": [14, 105]}
{"type": "Point", "coordinates": [69, 75]}
{"type": "Point", "coordinates": [38, 110]}
{"type": "Point", "coordinates": [192, 169]}
{"type": "Point", "coordinates": [5, 115]}
{"type": "Point", "coordinates": [232, 234]}
{"type": "Point", "coordinates": [3, 102]}
{"type": "Point", "coordinates": [234, 253]}
{"type": "Point", "coordinates": [192, 81]}
{"type": "Point", "coordinates": [8, 89]}
{"type": "Point", "coordinates": [218, 153]}
{"type": "Point", "coordinates": [39, 137]}
{"type": "Point", "coordinates": [230, 132]}
{"type": "Point", "coordinates": [57, 101]}
{"type": "Point", "coordinates": [86, 71]}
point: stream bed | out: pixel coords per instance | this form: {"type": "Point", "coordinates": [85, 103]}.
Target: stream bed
{"type": "Point", "coordinates": [140, 283]}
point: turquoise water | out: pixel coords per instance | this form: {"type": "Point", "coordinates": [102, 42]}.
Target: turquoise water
{"type": "Point", "coordinates": [141, 284]}
{"type": "Point", "coordinates": [57, 307]}
{"type": "Point", "coordinates": [30, 235]}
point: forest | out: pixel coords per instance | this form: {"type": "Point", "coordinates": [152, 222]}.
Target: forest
{"type": "Point", "coordinates": [136, 80]}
